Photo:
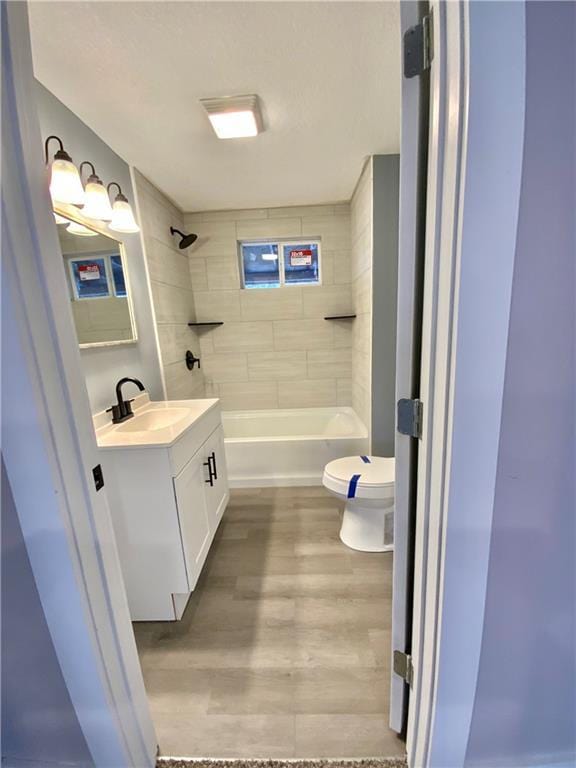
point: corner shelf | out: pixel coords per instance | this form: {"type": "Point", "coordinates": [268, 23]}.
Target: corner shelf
{"type": "Point", "coordinates": [216, 322]}
{"type": "Point", "coordinates": [340, 317]}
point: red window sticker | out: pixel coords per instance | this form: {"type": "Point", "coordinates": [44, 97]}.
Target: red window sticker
{"type": "Point", "coordinates": [302, 258]}
{"type": "Point", "coordinates": [89, 272]}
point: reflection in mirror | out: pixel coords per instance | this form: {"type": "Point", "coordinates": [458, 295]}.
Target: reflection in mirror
{"type": "Point", "coordinates": [97, 285]}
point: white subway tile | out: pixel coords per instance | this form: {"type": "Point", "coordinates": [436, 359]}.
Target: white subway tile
{"type": "Point", "coordinates": [198, 274]}
{"type": "Point", "coordinates": [295, 211]}
{"type": "Point", "coordinates": [223, 272]}
{"type": "Point", "coordinates": [277, 366]}
{"type": "Point", "coordinates": [344, 391]}
{"type": "Point", "coordinates": [248, 396]}
{"type": "Point", "coordinates": [302, 334]}
{"type": "Point", "coordinates": [329, 363]}
{"type": "Point", "coordinates": [172, 304]}
{"type": "Point", "coordinates": [243, 336]}
{"type": "Point", "coordinates": [232, 215]}
{"type": "Point", "coordinates": [268, 228]}
{"type": "Point", "coordinates": [307, 394]}
{"type": "Point", "coordinates": [174, 340]}
{"type": "Point", "coordinates": [217, 305]}
{"type": "Point", "coordinates": [334, 231]}
{"type": "Point", "coordinates": [271, 304]}
{"type": "Point", "coordinates": [225, 366]}
{"type": "Point", "coordinates": [167, 265]}
{"type": "Point", "coordinates": [323, 301]}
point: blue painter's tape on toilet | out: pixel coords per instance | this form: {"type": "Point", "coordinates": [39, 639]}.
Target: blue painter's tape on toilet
{"type": "Point", "coordinates": [365, 459]}
{"type": "Point", "coordinates": [352, 486]}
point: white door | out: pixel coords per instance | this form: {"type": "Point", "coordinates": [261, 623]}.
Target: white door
{"type": "Point", "coordinates": [193, 515]}
{"type": "Point", "coordinates": [216, 477]}
{"type": "Point", "coordinates": [413, 154]}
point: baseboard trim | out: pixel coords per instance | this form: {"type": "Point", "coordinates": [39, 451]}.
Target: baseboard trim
{"type": "Point", "coordinates": [233, 762]}
{"type": "Point", "coordinates": [274, 482]}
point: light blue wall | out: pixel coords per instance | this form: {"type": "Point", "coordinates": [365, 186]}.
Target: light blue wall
{"type": "Point", "coordinates": [103, 366]}
{"type": "Point", "coordinates": [38, 720]}
{"type": "Point", "coordinates": [525, 704]}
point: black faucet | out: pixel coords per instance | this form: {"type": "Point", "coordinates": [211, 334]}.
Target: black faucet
{"type": "Point", "coordinates": [123, 409]}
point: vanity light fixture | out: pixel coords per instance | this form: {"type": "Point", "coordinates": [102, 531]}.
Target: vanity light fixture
{"type": "Point", "coordinates": [122, 217]}
{"type": "Point", "coordinates": [234, 117]}
{"type": "Point", "coordinates": [79, 229]}
{"type": "Point", "coordinates": [97, 203]}
{"type": "Point", "coordinates": [65, 183]}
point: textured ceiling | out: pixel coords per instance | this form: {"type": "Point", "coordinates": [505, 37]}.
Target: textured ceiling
{"type": "Point", "coordinates": [328, 74]}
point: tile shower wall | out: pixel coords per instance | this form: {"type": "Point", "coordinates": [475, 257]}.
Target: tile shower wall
{"type": "Point", "coordinates": [172, 294]}
{"type": "Point", "coordinates": [361, 268]}
{"type": "Point", "coordinates": [275, 350]}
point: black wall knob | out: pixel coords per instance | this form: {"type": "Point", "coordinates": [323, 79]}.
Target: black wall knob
{"type": "Point", "coordinates": [191, 360]}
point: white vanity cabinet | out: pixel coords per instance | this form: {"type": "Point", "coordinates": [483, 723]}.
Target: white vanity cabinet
{"type": "Point", "coordinates": [201, 492]}
{"type": "Point", "coordinates": [167, 493]}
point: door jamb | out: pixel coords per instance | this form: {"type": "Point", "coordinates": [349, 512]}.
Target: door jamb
{"type": "Point", "coordinates": [471, 219]}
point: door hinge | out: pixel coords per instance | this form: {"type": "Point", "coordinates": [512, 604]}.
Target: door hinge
{"type": "Point", "coordinates": [418, 51]}
{"type": "Point", "coordinates": [403, 667]}
{"type": "Point", "coordinates": [409, 417]}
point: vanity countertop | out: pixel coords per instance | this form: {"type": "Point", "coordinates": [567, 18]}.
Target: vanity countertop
{"type": "Point", "coordinates": [155, 424]}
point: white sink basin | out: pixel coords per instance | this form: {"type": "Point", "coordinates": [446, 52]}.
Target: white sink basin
{"type": "Point", "coordinates": [155, 423]}
{"type": "Point", "coordinates": [153, 420]}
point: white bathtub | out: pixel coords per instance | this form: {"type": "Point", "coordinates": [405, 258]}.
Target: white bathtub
{"type": "Point", "coordinates": [289, 447]}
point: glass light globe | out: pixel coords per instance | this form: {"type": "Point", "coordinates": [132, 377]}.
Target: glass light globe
{"type": "Point", "coordinates": [122, 217]}
{"type": "Point", "coordinates": [79, 229]}
{"type": "Point", "coordinates": [65, 183]}
{"type": "Point", "coordinates": [97, 203]}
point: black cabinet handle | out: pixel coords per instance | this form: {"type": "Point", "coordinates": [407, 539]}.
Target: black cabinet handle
{"type": "Point", "coordinates": [209, 465]}
{"type": "Point", "coordinates": [213, 457]}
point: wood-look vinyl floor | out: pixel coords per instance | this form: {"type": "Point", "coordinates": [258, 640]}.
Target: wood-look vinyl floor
{"type": "Point", "coordinates": [284, 647]}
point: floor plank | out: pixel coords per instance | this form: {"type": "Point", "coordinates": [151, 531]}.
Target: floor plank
{"type": "Point", "coordinates": [284, 648]}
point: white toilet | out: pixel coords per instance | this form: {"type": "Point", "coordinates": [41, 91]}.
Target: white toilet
{"type": "Point", "coordinates": [366, 483]}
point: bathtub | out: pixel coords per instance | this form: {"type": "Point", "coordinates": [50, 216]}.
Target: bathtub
{"type": "Point", "coordinates": [288, 447]}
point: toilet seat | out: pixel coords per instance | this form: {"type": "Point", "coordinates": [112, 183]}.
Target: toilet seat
{"type": "Point", "coordinates": [375, 481]}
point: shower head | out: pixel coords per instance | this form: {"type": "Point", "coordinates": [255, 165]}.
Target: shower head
{"type": "Point", "coordinates": [186, 240]}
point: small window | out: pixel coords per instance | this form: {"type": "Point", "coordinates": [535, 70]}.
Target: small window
{"type": "Point", "coordinates": [118, 276]}
{"type": "Point", "coordinates": [89, 278]}
{"type": "Point", "coordinates": [301, 264]}
{"type": "Point", "coordinates": [98, 277]}
{"type": "Point", "coordinates": [272, 264]}
{"type": "Point", "coordinates": [260, 265]}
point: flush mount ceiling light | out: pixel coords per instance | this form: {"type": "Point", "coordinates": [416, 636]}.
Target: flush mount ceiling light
{"type": "Point", "coordinates": [65, 183]}
{"type": "Point", "coordinates": [234, 117]}
{"type": "Point", "coordinates": [122, 217]}
{"type": "Point", "coordinates": [79, 229]}
{"type": "Point", "coordinates": [97, 203]}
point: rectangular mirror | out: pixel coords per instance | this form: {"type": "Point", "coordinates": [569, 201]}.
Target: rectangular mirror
{"type": "Point", "coordinates": [97, 281]}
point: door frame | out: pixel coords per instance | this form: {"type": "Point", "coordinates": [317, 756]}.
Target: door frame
{"type": "Point", "coordinates": [46, 393]}
{"type": "Point", "coordinates": [474, 179]}
{"type": "Point", "coordinates": [48, 442]}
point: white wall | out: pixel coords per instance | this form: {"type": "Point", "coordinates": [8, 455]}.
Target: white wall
{"type": "Point", "coordinates": [525, 705]}
{"type": "Point", "coordinates": [274, 350]}
{"type": "Point", "coordinates": [105, 365]}
{"type": "Point", "coordinates": [362, 249]}
{"type": "Point", "coordinates": [172, 295]}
